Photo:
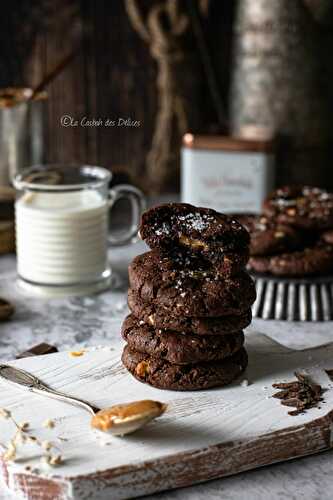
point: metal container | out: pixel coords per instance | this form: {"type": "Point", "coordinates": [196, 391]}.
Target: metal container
{"type": "Point", "coordinates": [226, 173]}
{"type": "Point", "coordinates": [21, 131]}
{"type": "Point", "coordinates": [294, 299]}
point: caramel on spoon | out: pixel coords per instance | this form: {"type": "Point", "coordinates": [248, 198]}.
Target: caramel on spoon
{"type": "Point", "coordinates": [126, 418]}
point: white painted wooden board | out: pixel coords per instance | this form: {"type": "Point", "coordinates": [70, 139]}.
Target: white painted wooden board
{"type": "Point", "coordinates": [204, 435]}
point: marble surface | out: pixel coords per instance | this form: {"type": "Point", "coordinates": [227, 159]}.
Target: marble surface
{"type": "Point", "coordinates": [90, 321]}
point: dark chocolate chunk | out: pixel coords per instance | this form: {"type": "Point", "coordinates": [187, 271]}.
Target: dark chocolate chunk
{"type": "Point", "coordinates": [38, 350]}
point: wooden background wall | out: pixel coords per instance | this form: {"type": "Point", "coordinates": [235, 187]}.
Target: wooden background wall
{"type": "Point", "coordinates": [113, 76]}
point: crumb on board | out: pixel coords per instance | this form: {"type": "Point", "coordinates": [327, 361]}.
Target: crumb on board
{"type": "Point", "coordinates": [49, 423]}
{"type": "Point", "coordinates": [4, 413]}
{"type": "Point", "coordinates": [76, 354]}
{"type": "Point", "coordinates": [53, 460]}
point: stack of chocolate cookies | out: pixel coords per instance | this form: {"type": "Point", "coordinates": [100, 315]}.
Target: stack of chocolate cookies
{"type": "Point", "coordinates": [294, 234]}
{"type": "Point", "coordinates": [190, 298]}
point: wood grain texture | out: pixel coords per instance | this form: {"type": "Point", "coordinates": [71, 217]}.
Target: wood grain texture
{"type": "Point", "coordinates": [202, 436]}
{"type": "Point", "coordinates": [113, 77]}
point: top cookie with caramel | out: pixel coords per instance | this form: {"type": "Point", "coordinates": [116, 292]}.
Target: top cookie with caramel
{"type": "Point", "coordinates": [213, 236]}
{"type": "Point", "coordinates": [301, 206]}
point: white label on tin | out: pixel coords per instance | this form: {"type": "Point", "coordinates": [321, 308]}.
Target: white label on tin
{"type": "Point", "coordinates": [226, 181]}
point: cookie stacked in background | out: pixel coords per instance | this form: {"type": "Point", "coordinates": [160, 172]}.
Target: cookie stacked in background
{"type": "Point", "coordinates": [294, 234]}
{"type": "Point", "coordinates": [190, 299]}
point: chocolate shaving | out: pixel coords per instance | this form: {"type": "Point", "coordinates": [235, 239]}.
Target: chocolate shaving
{"type": "Point", "coordinates": [301, 394]}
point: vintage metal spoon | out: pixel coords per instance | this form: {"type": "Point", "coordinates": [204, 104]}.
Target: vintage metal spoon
{"type": "Point", "coordinates": [117, 420]}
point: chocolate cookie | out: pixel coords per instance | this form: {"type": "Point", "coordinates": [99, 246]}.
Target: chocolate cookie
{"type": "Point", "coordinates": [164, 375]}
{"type": "Point", "coordinates": [268, 237]}
{"type": "Point", "coordinates": [259, 264]}
{"type": "Point", "coordinates": [327, 236]}
{"type": "Point", "coordinates": [157, 317]}
{"type": "Point", "coordinates": [178, 348]}
{"type": "Point", "coordinates": [301, 206]}
{"type": "Point", "coordinates": [187, 292]}
{"type": "Point", "coordinates": [314, 260]}
{"type": "Point", "coordinates": [215, 237]}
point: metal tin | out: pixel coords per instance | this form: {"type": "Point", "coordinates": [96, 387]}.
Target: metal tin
{"type": "Point", "coordinates": [21, 131]}
{"type": "Point", "coordinates": [294, 299]}
{"type": "Point", "coordinates": [228, 174]}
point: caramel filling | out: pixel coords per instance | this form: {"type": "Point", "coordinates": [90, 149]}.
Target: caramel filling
{"type": "Point", "coordinates": [192, 242]}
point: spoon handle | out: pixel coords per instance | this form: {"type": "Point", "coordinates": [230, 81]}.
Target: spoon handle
{"type": "Point", "coordinates": [24, 379]}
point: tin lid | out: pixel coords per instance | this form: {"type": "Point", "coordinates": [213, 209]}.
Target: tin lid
{"type": "Point", "coordinates": [227, 143]}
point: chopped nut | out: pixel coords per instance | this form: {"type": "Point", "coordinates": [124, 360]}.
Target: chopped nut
{"type": "Point", "coordinates": [56, 460]}
{"type": "Point", "coordinates": [22, 436]}
{"type": "Point", "coordinates": [23, 426]}
{"type": "Point", "coordinates": [46, 445]}
{"type": "Point", "coordinates": [19, 438]}
{"type": "Point", "coordinates": [142, 369]}
{"type": "Point", "coordinates": [151, 319]}
{"type": "Point", "coordinates": [53, 459]}
{"type": "Point", "coordinates": [279, 234]}
{"type": "Point", "coordinates": [5, 413]}
{"type": "Point", "coordinates": [291, 212]}
{"type": "Point", "coordinates": [10, 454]}
{"type": "Point", "coordinates": [49, 424]}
